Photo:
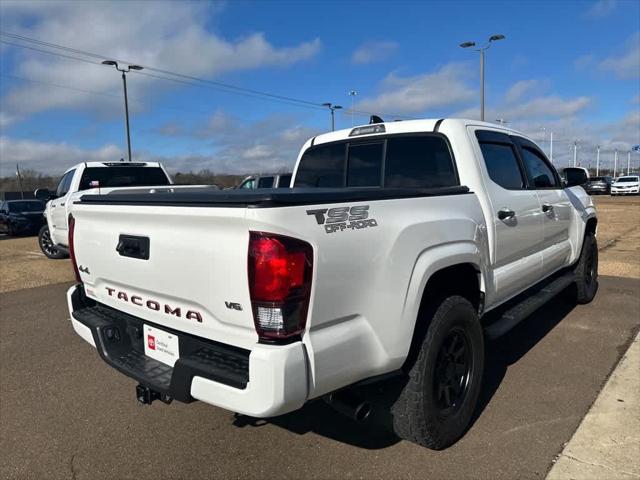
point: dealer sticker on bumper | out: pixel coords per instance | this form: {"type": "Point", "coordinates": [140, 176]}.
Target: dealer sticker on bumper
{"type": "Point", "coordinates": [161, 345]}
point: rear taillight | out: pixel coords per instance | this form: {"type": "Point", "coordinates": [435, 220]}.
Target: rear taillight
{"type": "Point", "coordinates": [280, 271]}
{"type": "Point", "coordinates": [72, 252]}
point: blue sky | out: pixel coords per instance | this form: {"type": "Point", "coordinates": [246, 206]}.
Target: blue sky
{"type": "Point", "coordinates": [567, 67]}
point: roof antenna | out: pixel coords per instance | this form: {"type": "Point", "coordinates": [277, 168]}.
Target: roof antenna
{"type": "Point", "coordinates": [375, 119]}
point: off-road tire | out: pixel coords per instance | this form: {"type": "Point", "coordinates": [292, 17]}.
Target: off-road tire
{"type": "Point", "coordinates": [417, 417]}
{"type": "Point", "coordinates": [47, 246]}
{"type": "Point", "coordinates": [586, 270]}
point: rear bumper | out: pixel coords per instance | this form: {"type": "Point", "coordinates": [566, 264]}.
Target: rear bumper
{"type": "Point", "coordinates": [265, 381]}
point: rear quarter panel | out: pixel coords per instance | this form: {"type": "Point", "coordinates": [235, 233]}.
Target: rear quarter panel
{"type": "Point", "coordinates": [368, 283]}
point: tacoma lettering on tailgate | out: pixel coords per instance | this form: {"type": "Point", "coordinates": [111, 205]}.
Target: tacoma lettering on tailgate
{"type": "Point", "coordinates": [154, 305]}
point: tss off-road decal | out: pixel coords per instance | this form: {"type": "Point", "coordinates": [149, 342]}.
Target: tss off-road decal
{"type": "Point", "coordinates": [339, 219]}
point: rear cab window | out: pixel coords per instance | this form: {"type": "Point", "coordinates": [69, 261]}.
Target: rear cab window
{"type": "Point", "coordinates": [123, 176]}
{"type": "Point", "coordinates": [395, 161]}
{"type": "Point", "coordinates": [364, 165]}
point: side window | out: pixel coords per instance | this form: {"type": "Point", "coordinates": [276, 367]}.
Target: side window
{"type": "Point", "coordinates": [265, 182]}
{"type": "Point", "coordinates": [540, 173]}
{"type": "Point", "coordinates": [419, 162]}
{"type": "Point", "coordinates": [65, 184]}
{"type": "Point", "coordinates": [502, 165]}
{"type": "Point", "coordinates": [322, 166]}
{"type": "Point", "coordinates": [249, 183]}
{"type": "Point", "coordinates": [365, 165]}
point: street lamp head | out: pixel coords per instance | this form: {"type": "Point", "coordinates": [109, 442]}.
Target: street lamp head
{"type": "Point", "coordinates": [468, 44]}
{"type": "Point", "coordinates": [495, 38]}
{"type": "Point", "coordinates": [353, 93]}
{"type": "Point", "coordinates": [135, 67]}
{"type": "Point", "coordinates": [327, 104]}
{"type": "Point", "coordinates": [110, 62]}
{"type": "Point", "coordinates": [337, 107]}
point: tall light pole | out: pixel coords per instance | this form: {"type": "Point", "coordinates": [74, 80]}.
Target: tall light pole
{"type": "Point", "coordinates": [492, 38]}
{"type": "Point", "coordinates": [126, 101]}
{"type": "Point", "coordinates": [628, 162]}
{"type": "Point", "coordinates": [598, 161]}
{"type": "Point", "coordinates": [352, 94]}
{"type": "Point", "coordinates": [575, 153]}
{"type": "Point", "coordinates": [332, 108]}
{"type": "Point", "coordinates": [615, 164]}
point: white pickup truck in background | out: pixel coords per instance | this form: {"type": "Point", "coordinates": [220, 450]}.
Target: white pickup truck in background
{"type": "Point", "coordinates": [400, 247]}
{"type": "Point", "coordinates": [89, 177]}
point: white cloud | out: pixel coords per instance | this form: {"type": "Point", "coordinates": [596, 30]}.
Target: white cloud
{"type": "Point", "coordinates": [167, 35]}
{"type": "Point", "coordinates": [519, 89]}
{"type": "Point", "coordinates": [370, 52]}
{"type": "Point", "coordinates": [548, 107]}
{"type": "Point", "coordinates": [50, 157]}
{"type": "Point", "coordinates": [626, 65]}
{"type": "Point", "coordinates": [404, 95]}
{"type": "Point", "coordinates": [601, 8]}
{"type": "Point", "coordinates": [620, 134]}
{"type": "Point", "coordinates": [269, 145]}
{"type": "Point", "coordinates": [6, 119]}
{"type": "Point", "coordinates": [583, 61]}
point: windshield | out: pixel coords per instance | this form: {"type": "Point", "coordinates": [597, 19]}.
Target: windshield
{"type": "Point", "coordinates": [628, 179]}
{"type": "Point", "coordinates": [26, 206]}
{"type": "Point", "coordinates": [123, 177]}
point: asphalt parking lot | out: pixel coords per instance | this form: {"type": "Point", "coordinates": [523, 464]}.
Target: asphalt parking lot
{"type": "Point", "coordinates": [65, 414]}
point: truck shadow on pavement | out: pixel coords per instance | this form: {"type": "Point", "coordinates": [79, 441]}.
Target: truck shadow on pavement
{"type": "Point", "coordinates": [376, 432]}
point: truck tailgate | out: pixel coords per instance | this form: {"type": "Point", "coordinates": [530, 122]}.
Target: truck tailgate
{"type": "Point", "coordinates": [195, 276]}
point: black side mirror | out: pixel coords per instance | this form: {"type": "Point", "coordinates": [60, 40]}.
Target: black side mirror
{"type": "Point", "coordinates": [575, 176]}
{"type": "Point", "coordinates": [43, 194]}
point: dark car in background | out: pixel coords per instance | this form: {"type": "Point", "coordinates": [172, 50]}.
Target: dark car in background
{"type": "Point", "coordinates": [21, 216]}
{"type": "Point", "coordinates": [599, 185]}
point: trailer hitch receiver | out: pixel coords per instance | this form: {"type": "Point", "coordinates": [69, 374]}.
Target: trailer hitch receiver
{"type": "Point", "coordinates": [146, 396]}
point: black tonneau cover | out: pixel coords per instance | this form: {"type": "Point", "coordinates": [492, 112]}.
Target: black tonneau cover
{"type": "Point", "coordinates": [272, 197]}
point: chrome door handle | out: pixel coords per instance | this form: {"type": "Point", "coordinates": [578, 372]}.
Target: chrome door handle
{"type": "Point", "coordinates": [505, 214]}
{"type": "Point", "coordinates": [547, 207]}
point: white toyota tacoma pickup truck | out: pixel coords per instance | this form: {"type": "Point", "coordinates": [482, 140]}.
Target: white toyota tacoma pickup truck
{"type": "Point", "coordinates": [399, 249]}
